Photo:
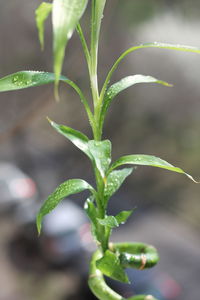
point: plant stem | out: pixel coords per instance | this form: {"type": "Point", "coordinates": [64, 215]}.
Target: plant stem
{"type": "Point", "coordinates": [83, 100]}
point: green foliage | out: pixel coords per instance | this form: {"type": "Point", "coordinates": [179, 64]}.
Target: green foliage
{"type": "Point", "coordinates": [123, 216]}
{"type": "Point", "coordinates": [67, 188]}
{"type": "Point", "coordinates": [41, 14]}
{"type": "Point", "coordinates": [114, 180]}
{"type": "Point", "coordinates": [147, 160]}
{"type": "Point", "coordinates": [112, 222]}
{"type": "Point", "coordinates": [26, 79]}
{"type": "Point", "coordinates": [109, 259]}
{"type": "Point", "coordinates": [110, 266]}
{"type": "Point", "coordinates": [123, 84]}
{"type": "Point", "coordinates": [76, 137]}
{"type": "Point", "coordinates": [65, 17]}
{"type": "Point", "coordinates": [101, 153]}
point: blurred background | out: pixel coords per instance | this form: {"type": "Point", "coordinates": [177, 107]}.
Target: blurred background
{"type": "Point", "coordinates": [145, 119]}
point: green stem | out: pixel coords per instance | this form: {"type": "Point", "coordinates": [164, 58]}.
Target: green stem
{"type": "Point", "coordinates": [101, 209]}
{"type": "Point", "coordinates": [83, 100]}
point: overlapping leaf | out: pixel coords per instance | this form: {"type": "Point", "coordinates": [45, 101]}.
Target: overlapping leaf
{"type": "Point", "coordinates": [41, 14]}
{"type": "Point", "coordinates": [110, 266]}
{"type": "Point", "coordinates": [67, 188]}
{"type": "Point", "coordinates": [101, 152]}
{"type": "Point", "coordinates": [65, 16]}
{"type": "Point", "coordinates": [26, 79]}
{"type": "Point", "coordinates": [147, 160]}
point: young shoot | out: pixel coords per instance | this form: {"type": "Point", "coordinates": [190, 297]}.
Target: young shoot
{"type": "Point", "coordinates": [110, 259]}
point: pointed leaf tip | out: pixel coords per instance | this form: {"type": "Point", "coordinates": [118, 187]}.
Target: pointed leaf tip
{"type": "Point", "coordinates": [148, 160]}
{"type": "Point", "coordinates": [125, 83]}
{"type": "Point", "coordinates": [38, 223]}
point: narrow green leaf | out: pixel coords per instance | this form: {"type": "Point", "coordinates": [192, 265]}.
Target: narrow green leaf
{"type": "Point", "coordinates": [142, 46]}
{"type": "Point", "coordinates": [76, 137]}
{"type": "Point", "coordinates": [101, 152]}
{"type": "Point", "coordinates": [147, 160]}
{"type": "Point", "coordinates": [97, 15]}
{"type": "Point", "coordinates": [110, 266]}
{"type": "Point", "coordinates": [109, 221]}
{"type": "Point", "coordinates": [123, 216]}
{"type": "Point", "coordinates": [26, 79]}
{"type": "Point", "coordinates": [123, 84]}
{"type": "Point", "coordinates": [91, 212]}
{"type": "Point", "coordinates": [90, 209]}
{"type": "Point", "coordinates": [41, 14]}
{"type": "Point", "coordinates": [115, 180]}
{"type": "Point", "coordinates": [67, 188]}
{"type": "Point", "coordinates": [65, 17]}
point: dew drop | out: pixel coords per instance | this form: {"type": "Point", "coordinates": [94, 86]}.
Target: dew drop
{"type": "Point", "coordinates": [28, 82]}
{"type": "Point", "coordinates": [15, 79]}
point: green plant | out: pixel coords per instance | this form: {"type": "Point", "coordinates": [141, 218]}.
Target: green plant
{"type": "Point", "coordinates": [109, 259]}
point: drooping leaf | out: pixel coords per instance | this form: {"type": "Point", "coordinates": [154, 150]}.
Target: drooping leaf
{"type": "Point", "coordinates": [109, 221]}
{"type": "Point", "coordinates": [123, 84]}
{"type": "Point", "coordinates": [123, 216]}
{"type": "Point", "coordinates": [76, 137]}
{"type": "Point", "coordinates": [147, 160]}
{"type": "Point", "coordinates": [41, 14]}
{"type": "Point", "coordinates": [183, 48]}
{"type": "Point", "coordinates": [101, 152]}
{"type": "Point", "coordinates": [26, 79]}
{"type": "Point", "coordinates": [114, 180]}
{"type": "Point", "coordinates": [110, 266]}
{"type": "Point", "coordinates": [65, 17]}
{"type": "Point", "coordinates": [67, 188]}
